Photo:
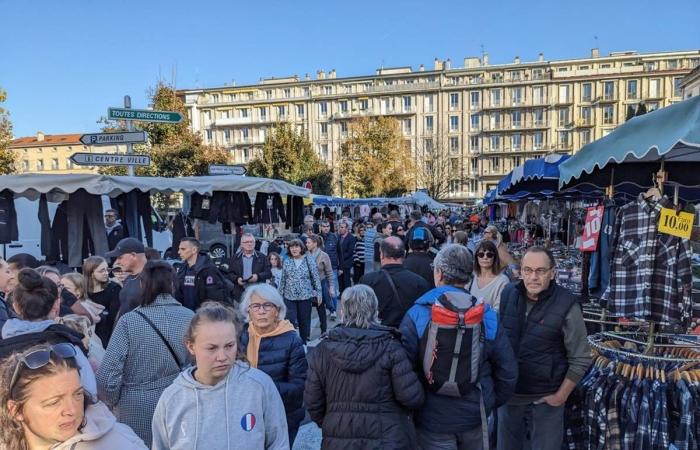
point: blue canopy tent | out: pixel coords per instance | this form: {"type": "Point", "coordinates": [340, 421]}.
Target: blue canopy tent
{"type": "Point", "coordinates": [535, 175]}
{"type": "Point", "coordinates": [668, 137]}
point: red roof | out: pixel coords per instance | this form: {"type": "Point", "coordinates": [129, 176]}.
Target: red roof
{"type": "Point", "coordinates": [49, 140]}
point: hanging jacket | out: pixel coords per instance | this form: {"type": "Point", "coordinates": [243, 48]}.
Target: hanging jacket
{"type": "Point", "coordinates": [200, 206]}
{"type": "Point", "coordinates": [360, 388]}
{"type": "Point", "coordinates": [295, 211]}
{"type": "Point", "coordinates": [181, 227]}
{"type": "Point", "coordinates": [102, 431]}
{"type": "Point", "coordinates": [268, 208]}
{"type": "Point", "coordinates": [8, 218]}
{"type": "Point", "coordinates": [230, 207]}
{"type": "Point", "coordinates": [45, 221]}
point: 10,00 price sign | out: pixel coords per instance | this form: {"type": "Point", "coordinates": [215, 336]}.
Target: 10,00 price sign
{"type": "Point", "coordinates": [680, 224]}
{"type": "Point", "coordinates": [591, 229]}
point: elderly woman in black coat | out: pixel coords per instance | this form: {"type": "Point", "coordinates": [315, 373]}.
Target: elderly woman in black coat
{"type": "Point", "coordinates": [272, 345]}
{"type": "Point", "coordinates": [361, 387]}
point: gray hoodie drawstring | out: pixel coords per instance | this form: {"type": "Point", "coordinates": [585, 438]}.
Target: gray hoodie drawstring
{"type": "Point", "coordinates": [228, 435]}
{"type": "Point", "coordinates": [196, 422]}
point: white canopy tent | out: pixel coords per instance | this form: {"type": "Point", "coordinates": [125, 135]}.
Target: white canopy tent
{"type": "Point", "coordinates": [233, 183]}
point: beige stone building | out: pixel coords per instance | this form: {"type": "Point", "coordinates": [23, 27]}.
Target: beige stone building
{"type": "Point", "coordinates": [50, 153]}
{"type": "Point", "coordinates": [691, 84]}
{"type": "Point", "coordinates": [486, 119]}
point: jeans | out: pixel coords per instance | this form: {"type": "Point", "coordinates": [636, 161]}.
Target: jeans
{"type": "Point", "coordinates": [84, 208]}
{"type": "Point", "coordinates": [599, 277]}
{"type": "Point", "coordinates": [358, 269]}
{"type": "Point", "coordinates": [546, 422]}
{"type": "Point", "coordinates": [333, 305]}
{"type": "Point", "coordinates": [345, 280]}
{"type": "Point", "coordinates": [299, 313]}
{"type": "Point", "coordinates": [466, 440]}
{"type": "Point", "coordinates": [321, 309]}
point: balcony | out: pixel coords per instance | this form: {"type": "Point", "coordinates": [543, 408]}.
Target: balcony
{"type": "Point", "coordinates": [565, 100]}
{"type": "Point", "coordinates": [584, 123]}
{"type": "Point", "coordinates": [228, 121]}
{"type": "Point", "coordinates": [607, 98]}
{"type": "Point", "coordinates": [412, 87]}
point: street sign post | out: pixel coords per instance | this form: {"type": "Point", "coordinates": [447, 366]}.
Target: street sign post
{"type": "Point", "coordinates": [110, 159]}
{"type": "Point", "coordinates": [134, 137]}
{"type": "Point", "coordinates": [223, 169]}
{"type": "Point", "coordinates": [144, 115]}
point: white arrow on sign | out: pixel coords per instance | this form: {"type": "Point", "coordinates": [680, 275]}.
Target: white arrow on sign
{"type": "Point", "coordinates": [129, 137]}
{"type": "Point", "coordinates": [110, 159]}
{"type": "Point", "coordinates": [222, 169]}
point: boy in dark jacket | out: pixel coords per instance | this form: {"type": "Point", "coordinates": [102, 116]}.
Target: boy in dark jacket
{"type": "Point", "coordinates": [198, 279]}
{"type": "Point", "coordinates": [457, 422]}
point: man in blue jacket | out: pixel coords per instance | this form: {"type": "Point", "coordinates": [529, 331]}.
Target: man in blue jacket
{"type": "Point", "coordinates": [456, 422]}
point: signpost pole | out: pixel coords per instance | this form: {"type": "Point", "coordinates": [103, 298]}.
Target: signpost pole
{"type": "Point", "coordinates": [129, 127]}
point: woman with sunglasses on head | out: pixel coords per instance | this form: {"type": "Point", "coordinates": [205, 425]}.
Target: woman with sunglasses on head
{"type": "Point", "coordinates": [222, 402]}
{"type": "Point", "coordinates": [492, 234]}
{"type": "Point", "coordinates": [43, 405]}
{"type": "Point", "coordinates": [36, 301]}
{"type": "Point", "coordinates": [271, 344]}
{"type": "Point", "coordinates": [489, 280]}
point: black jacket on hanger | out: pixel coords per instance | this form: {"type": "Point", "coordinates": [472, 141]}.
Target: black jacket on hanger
{"type": "Point", "coordinates": [200, 206]}
{"type": "Point", "coordinates": [8, 217]}
{"type": "Point", "coordinates": [182, 227]}
{"type": "Point", "coordinates": [230, 207]}
{"type": "Point", "coordinates": [268, 208]}
{"type": "Point", "coordinates": [295, 211]}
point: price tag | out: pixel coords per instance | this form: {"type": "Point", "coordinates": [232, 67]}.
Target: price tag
{"type": "Point", "coordinates": [680, 224]}
{"type": "Point", "coordinates": [591, 229]}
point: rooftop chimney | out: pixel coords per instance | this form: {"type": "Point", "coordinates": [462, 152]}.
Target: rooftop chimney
{"type": "Point", "coordinates": [517, 60]}
{"type": "Point", "coordinates": [438, 64]}
{"type": "Point", "coordinates": [540, 58]}
{"type": "Point", "coordinates": [486, 59]}
{"type": "Point", "coordinates": [39, 136]}
{"type": "Point", "coordinates": [320, 75]}
{"type": "Point", "coordinates": [471, 62]}
{"type": "Point", "coordinates": [595, 53]}
{"type": "Point", "coordinates": [448, 64]}
{"type": "Point", "coordinates": [307, 77]}
{"type": "Point", "coordinates": [331, 74]}
{"type": "Point", "coordinates": [421, 68]}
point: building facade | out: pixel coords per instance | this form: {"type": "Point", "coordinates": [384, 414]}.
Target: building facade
{"type": "Point", "coordinates": [691, 84]}
{"type": "Point", "coordinates": [486, 119]}
{"type": "Point", "coordinates": [50, 153]}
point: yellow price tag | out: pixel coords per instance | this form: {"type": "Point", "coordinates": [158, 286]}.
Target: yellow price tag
{"type": "Point", "coordinates": [680, 224]}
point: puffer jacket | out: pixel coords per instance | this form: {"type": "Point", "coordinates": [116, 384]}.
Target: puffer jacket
{"type": "Point", "coordinates": [283, 359]}
{"type": "Point", "coordinates": [359, 388]}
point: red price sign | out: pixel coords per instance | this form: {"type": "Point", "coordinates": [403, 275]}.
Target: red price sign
{"type": "Point", "coordinates": [591, 229]}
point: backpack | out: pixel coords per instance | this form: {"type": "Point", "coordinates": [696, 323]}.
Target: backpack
{"type": "Point", "coordinates": [451, 345]}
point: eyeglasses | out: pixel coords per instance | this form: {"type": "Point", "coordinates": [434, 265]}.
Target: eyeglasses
{"type": "Point", "coordinates": [267, 307]}
{"type": "Point", "coordinates": [488, 255]}
{"type": "Point", "coordinates": [540, 271]}
{"type": "Point", "coordinates": [39, 358]}
{"type": "Point", "coordinates": [247, 242]}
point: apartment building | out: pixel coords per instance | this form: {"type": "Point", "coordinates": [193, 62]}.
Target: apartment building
{"type": "Point", "coordinates": [50, 153]}
{"type": "Point", "coordinates": [486, 119]}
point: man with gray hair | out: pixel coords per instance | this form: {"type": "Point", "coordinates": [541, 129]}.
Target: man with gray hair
{"type": "Point", "coordinates": [458, 421]}
{"type": "Point", "coordinates": [247, 266]}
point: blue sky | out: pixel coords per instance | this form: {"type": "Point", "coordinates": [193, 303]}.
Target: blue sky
{"type": "Point", "coordinates": [64, 62]}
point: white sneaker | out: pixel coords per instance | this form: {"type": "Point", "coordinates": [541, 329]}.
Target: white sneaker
{"type": "Point", "coordinates": [334, 317]}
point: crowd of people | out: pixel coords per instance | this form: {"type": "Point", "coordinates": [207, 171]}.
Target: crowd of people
{"type": "Point", "coordinates": [429, 339]}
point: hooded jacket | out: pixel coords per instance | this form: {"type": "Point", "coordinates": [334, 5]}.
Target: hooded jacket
{"type": "Point", "coordinates": [359, 388]}
{"type": "Point", "coordinates": [19, 335]}
{"type": "Point", "coordinates": [102, 431]}
{"type": "Point", "coordinates": [242, 411]}
{"type": "Point", "coordinates": [208, 281]}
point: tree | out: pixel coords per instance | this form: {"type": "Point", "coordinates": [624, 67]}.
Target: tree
{"type": "Point", "coordinates": [8, 158]}
{"type": "Point", "coordinates": [375, 161]}
{"type": "Point", "coordinates": [433, 171]}
{"type": "Point", "coordinates": [174, 149]}
{"type": "Point", "coordinates": [288, 155]}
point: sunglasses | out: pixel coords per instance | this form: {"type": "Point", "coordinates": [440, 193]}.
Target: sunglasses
{"type": "Point", "coordinates": [39, 358]}
{"type": "Point", "coordinates": [488, 255]}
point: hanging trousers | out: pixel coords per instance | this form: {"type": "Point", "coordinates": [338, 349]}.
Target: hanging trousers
{"type": "Point", "coordinates": [84, 208]}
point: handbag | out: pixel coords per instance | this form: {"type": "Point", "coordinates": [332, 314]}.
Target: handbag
{"type": "Point", "coordinates": [165, 341]}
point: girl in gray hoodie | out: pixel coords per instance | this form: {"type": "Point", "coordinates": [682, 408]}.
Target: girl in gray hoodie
{"type": "Point", "coordinates": [221, 403]}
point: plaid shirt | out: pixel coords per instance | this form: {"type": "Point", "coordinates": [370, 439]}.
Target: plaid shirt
{"type": "Point", "coordinates": [613, 437]}
{"type": "Point", "coordinates": [651, 274]}
{"type": "Point", "coordinates": [642, 438]}
{"type": "Point", "coordinates": [630, 402]}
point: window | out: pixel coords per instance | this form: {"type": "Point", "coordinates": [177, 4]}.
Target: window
{"type": "Point", "coordinates": [608, 90]}
{"type": "Point", "coordinates": [516, 141]}
{"type": "Point", "coordinates": [307, 91]}
{"type": "Point", "coordinates": [564, 117]}
{"type": "Point", "coordinates": [324, 130]}
{"type": "Point", "coordinates": [343, 106]}
{"type": "Point", "coordinates": [225, 114]}
{"type": "Point", "coordinates": [428, 145]}
{"type": "Point", "coordinates": [40, 164]}
{"type": "Point", "coordinates": [474, 100]}
{"type": "Point", "coordinates": [429, 124]}
{"type": "Point", "coordinates": [207, 115]}
{"type": "Point", "coordinates": [454, 144]}
{"type": "Point", "coordinates": [364, 104]}
{"type": "Point", "coordinates": [428, 103]}
{"type": "Point", "coordinates": [231, 97]}
{"type": "Point", "coordinates": [69, 164]}
{"type": "Point", "coordinates": [215, 98]}
{"type": "Point", "coordinates": [246, 154]}
{"type": "Point", "coordinates": [677, 89]}
{"type": "Point", "coordinates": [652, 106]}
{"type": "Point", "coordinates": [323, 108]}
{"type": "Point", "coordinates": [632, 89]}
{"type": "Point", "coordinates": [407, 126]}
{"type": "Point", "coordinates": [654, 88]}
{"type": "Point", "coordinates": [328, 90]}
{"type": "Point", "coordinates": [287, 93]}
{"type": "Point", "coordinates": [586, 117]}
{"type": "Point", "coordinates": [268, 94]}
{"type": "Point", "coordinates": [454, 123]}
{"type": "Point", "coordinates": [475, 165]}
{"type": "Point", "coordinates": [54, 164]}
{"type": "Point", "coordinates": [537, 74]}
{"type": "Point", "coordinates": [209, 136]}
{"type": "Point", "coordinates": [495, 143]}
{"type": "Point", "coordinates": [454, 165]}
{"type": "Point", "coordinates": [608, 114]}
{"type": "Point", "coordinates": [244, 112]}
{"type": "Point", "coordinates": [586, 92]}
{"type": "Point", "coordinates": [454, 186]}
{"type": "Point", "coordinates": [282, 112]}
{"type": "Point", "coordinates": [454, 100]}
{"type": "Point", "coordinates": [585, 137]}
{"type": "Point", "coordinates": [343, 129]}
{"type": "Point", "coordinates": [538, 95]}
{"type": "Point", "coordinates": [474, 143]}
{"type": "Point", "coordinates": [538, 117]}
{"type": "Point", "coordinates": [495, 97]}
{"type": "Point", "coordinates": [515, 119]}
{"type": "Point", "coordinates": [25, 164]}
{"type": "Point", "coordinates": [227, 135]}
{"type": "Point", "coordinates": [495, 164]}
{"type": "Point", "coordinates": [517, 161]}
{"type": "Point", "coordinates": [300, 110]}
{"type": "Point", "coordinates": [517, 95]}
{"type": "Point", "coordinates": [495, 121]}
{"type": "Point", "coordinates": [538, 140]}
{"type": "Point", "coordinates": [324, 151]}
{"type": "Point", "coordinates": [650, 66]}
{"type": "Point", "coordinates": [564, 139]}
{"type": "Point", "coordinates": [516, 75]}
{"type": "Point", "coordinates": [672, 64]}
{"type": "Point", "coordinates": [564, 93]}
{"type": "Point", "coordinates": [474, 121]}
{"type": "Point", "coordinates": [245, 133]}
{"type": "Point", "coordinates": [407, 103]}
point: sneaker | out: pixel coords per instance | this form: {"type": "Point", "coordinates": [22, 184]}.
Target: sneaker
{"type": "Point", "coordinates": [334, 317]}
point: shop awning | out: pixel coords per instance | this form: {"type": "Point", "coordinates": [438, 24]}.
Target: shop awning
{"type": "Point", "coordinates": [233, 183]}
{"type": "Point", "coordinates": [535, 175]}
{"type": "Point", "coordinates": [671, 134]}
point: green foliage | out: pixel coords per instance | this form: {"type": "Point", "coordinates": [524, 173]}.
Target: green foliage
{"type": "Point", "coordinates": [288, 155]}
{"type": "Point", "coordinates": [8, 158]}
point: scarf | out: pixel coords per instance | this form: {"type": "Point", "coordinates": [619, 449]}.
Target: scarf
{"type": "Point", "coordinates": [254, 339]}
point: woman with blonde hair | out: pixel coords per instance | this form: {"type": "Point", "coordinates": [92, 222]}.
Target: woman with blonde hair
{"type": "Point", "coordinates": [491, 233]}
